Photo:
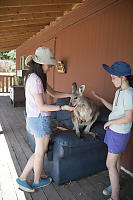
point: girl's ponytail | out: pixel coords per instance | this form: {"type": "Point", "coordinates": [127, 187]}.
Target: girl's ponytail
{"type": "Point", "coordinates": [130, 80]}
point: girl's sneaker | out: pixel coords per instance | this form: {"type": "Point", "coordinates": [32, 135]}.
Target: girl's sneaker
{"type": "Point", "coordinates": [23, 185]}
{"type": "Point", "coordinates": [44, 182]}
{"type": "Point", "coordinates": [107, 191]}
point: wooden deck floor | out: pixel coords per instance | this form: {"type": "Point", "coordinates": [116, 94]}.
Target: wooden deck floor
{"type": "Point", "coordinates": [14, 152]}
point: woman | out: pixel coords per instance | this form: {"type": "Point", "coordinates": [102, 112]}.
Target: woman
{"type": "Point", "coordinates": [38, 114]}
{"type": "Point", "coordinates": [118, 127]}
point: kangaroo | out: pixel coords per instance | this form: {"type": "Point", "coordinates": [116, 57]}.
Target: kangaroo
{"type": "Point", "coordinates": [85, 113]}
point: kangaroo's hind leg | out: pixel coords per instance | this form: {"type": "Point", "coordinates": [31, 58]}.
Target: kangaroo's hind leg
{"type": "Point", "coordinates": [87, 129]}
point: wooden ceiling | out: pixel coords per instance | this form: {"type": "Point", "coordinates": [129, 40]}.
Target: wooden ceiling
{"type": "Point", "coordinates": [21, 19]}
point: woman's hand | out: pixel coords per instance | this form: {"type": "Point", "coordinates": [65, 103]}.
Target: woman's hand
{"type": "Point", "coordinates": [69, 108]}
{"type": "Point", "coordinates": [107, 124]}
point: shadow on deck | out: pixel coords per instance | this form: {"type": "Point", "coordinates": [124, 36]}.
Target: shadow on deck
{"type": "Point", "coordinates": [14, 152]}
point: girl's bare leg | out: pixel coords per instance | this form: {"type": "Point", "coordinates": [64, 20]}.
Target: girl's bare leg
{"type": "Point", "coordinates": [113, 163]}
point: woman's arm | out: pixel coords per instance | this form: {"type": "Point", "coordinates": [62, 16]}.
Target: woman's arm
{"type": "Point", "coordinates": [128, 118]}
{"type": "Point", "coordinates": [56, 94]}
{"type": "Point", "coordinates": [106, 103]}
{"type": "Point", "coordinates": [45, 107]}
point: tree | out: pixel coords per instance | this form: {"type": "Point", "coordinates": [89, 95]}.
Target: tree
{"type": "Point", "coordinates": [8, 55]}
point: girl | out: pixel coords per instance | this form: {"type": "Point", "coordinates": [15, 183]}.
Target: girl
{"type": "Point", "coordinates": [38, 114]}
{"type": "Point", "coordinates": [118, 127]}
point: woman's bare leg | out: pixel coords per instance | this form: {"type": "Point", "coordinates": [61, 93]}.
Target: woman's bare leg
{"type": "Point", "coordinates": [36, 160]}
{"type": "Point", "coordinates": [28, 168]}
{"type": "Point", "coordinates": [40, 150]}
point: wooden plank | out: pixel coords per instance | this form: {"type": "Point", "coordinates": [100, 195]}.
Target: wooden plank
{"type": "Point", "coordinates": [11, 45]}
{"type": "Point", "coordinates": [34, 2]}
{"type": "Point", "coordinates": [2, 84]}
{"type": "Point", "coordinates": [12, 41]}
{"type": "Point", "coordinates": [30, 16]}
{"type": "Point", "coordinates": [18, 32]}
{"type": "Point", "coordinates": [64, 192]}
{"type": "Point", "coordinates": [77, 191]}
{"type": "Point", "coordinates": [26, 22]}
{"type": "Point", "coordinates": [7, 84]}
{"type": "Point", "coordinates": [11, 81]}
{"type": "Point", "coordinates": [92, 180]}
{"type": "Point", "coordinates": [90, 189]}
{"type": "Point", "coordinates": [1, 130]}
{"type": "Point", "coordinates": [33, 9]}
{"type": "Point", "coordinates": [21, 28]}
{"type": "Point", "coordinates": [10, 37]}
{"type": "Point", "coordinates": [3, 49]}
{"type": "Point", "coordinates": [51, 192]}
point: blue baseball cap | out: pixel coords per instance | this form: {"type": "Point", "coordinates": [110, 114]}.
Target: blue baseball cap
{"type": "Point", "coordinates": [118, 69]}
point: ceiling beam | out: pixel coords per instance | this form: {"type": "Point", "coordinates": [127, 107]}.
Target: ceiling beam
{"type": "Point", "coordinates": [11, 43]}
{"type": "Point", "coordinates": [18, 36]}
{"type": "Point", "coordinates": [7, 48]}
{"type": "Point", "coordinates": [17, 32]}
{"type": "Point", "coordinates": [26, 22]}
{"type": "Point", "coordinates": [34, 2]}
{"type": "Point", "coordinates": [30, 16]}
{"type": "Point", "coordinates": [23, 27]}
{"type": "Point", "coordinates": [7, 43]}
{"type": "Point", "coordinates": [33, 9]}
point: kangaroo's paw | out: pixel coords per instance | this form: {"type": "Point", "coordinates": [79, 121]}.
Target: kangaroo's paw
{"type": "Point", "coordinates": [78, 134]}
{"type": "Point", "coordinates": [95, 135]}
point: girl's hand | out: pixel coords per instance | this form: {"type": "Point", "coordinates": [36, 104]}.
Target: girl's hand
{"type": "Point", "coordinates": [107, 124]}
{"type": "Point", "coordinates": [95, 95]}
{"type": "Point", "coordinates": [69, 108]}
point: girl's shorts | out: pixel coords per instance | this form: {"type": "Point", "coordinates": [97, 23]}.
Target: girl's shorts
{"type": "Point", "coordinates": [38, 126]}
{"type": "Point", "coordinates": [116, 142]}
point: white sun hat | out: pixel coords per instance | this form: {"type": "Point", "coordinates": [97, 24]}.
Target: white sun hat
{"type": "Point", "coordinates": [43, 55]}
{"type": "Point", "coordinates": [28, 59]}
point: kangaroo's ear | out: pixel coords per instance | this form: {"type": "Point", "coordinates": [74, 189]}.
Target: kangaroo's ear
{"type": "Point", "coordinates": [81, 89]}
{"type": "Point", "coordinates": [74, 87]}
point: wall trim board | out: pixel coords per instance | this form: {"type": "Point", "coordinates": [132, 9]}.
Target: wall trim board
{"type": "Point", "coordinates": [126, 171]}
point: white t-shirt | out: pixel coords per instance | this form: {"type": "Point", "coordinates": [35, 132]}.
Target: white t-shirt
{"type": "Point", "coordinates": [123, 101]}
{"type": "Point", "coordinates": [34, 86]}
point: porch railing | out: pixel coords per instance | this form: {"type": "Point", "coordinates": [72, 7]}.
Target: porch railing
{"type": "Point", "coordinates": [6, 80]}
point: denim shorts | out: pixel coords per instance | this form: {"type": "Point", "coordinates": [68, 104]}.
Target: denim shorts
{"type": "Point", "coordinates": [116, 142]}
{"type": "Point", "coordinates": [38, 126]}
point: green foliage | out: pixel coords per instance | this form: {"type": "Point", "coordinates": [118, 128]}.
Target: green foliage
{"type": "Point", "coordinates": [8, 55]}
